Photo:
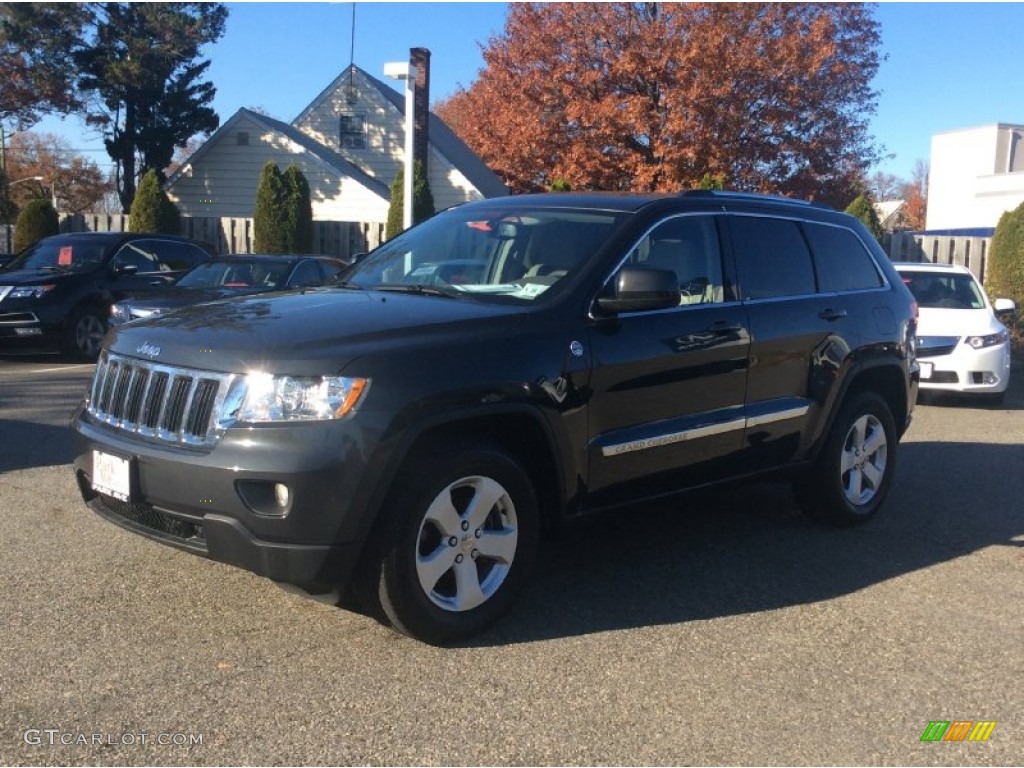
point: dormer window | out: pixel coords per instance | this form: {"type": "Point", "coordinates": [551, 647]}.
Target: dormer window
{"type": "Point", "coordinates": [352, 131]}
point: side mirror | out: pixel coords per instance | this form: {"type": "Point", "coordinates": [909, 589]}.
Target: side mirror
{"type": "Point", "coordinates": [1004, 306]}
{"type": "Point", "coordinates": [357, 257]}
{"type": "Point", "coordinates": [638, 289]}
{"type": "Point", "coordinates": [125, 269]}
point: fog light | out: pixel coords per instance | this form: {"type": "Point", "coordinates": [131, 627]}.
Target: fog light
{"type": "Point", "coordinates": [282, 495]}
{"type": "Point", "coordinates": [990, 378]}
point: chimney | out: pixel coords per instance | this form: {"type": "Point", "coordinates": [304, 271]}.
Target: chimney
{"type": "Point", "coordinates": [420, 58]}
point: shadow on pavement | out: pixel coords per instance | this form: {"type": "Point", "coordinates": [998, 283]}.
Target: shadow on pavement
{"type": "Point", "coordinates": [747, 549]}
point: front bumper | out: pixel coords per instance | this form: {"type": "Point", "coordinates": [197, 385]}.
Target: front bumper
{"type": "Point", "coordinates": [968, 370]}
{"type": "Point", "coordinates": [214, 502]}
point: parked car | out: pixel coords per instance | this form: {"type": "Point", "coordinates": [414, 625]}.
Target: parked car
{"type": "Point", "coordinates": [59, 291]}
{"type": "Point", "coordinates": [961, 344]}
{"type": "Point", "coordinates": [227, 276]}
{"type": "Point", "coordinates": [508, 363]}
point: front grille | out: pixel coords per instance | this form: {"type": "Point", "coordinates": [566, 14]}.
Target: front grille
{"type": "Point", "coordinates": [160, 402]}
{"type": "Point", "coordinates": [936, 346]}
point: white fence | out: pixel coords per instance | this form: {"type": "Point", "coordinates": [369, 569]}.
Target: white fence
{"type": "Point", "coordinates": [343, 239]}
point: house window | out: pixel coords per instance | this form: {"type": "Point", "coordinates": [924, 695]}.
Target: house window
{"type": "Point", "coordinates": [352, 133]}
{"type": "Point", "coordinates": [242, 138]}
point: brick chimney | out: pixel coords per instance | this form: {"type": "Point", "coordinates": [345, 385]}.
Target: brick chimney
{"type": "Point", "coordinates": [420, 58]}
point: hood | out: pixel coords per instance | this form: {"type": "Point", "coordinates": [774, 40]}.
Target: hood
{"type": "Point", "coordinates": [310, 332]}
{"type": "Point", "coordinates": [173, 298]}
{"type": "Point", "coordinates": [40, 276]}
{"type": "Point", "coordinates": [957, 322]}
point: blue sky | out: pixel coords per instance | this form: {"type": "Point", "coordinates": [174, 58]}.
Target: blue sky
{"type": "Point", "coordinates": [948, 65]}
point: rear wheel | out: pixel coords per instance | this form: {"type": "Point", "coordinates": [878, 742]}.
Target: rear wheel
{"type": "Point", "coordinates": [853, 473]}
{"type": "Point", "coordinates": [457, 542]}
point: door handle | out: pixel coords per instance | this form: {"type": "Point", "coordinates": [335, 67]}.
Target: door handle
{"type": "Point", "coordinates": [832, 314]}
{"type": "Point", "coordinates": [724, 326]}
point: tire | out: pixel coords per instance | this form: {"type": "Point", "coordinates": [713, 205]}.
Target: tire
{"type": "Point", "coordinates": [455, 546]}
{"type": "Point", "coordinates": [852, 476]}
{"type": "Point", "coordinates": [83, 336]}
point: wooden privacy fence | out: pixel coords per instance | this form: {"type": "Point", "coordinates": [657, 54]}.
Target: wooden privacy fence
{"type": "Point", "coordinates": [343, 239]}
{"type": "Point", "coordinates": [969, 251]}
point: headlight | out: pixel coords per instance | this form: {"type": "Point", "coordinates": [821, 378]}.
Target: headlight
{"type": "Point", "coordinates": [993, 339]}
{"type": "Point", "coordinates": [31, 291]}
{"type": "Point", "coordinates": [261, 397]}
{"type": "Point", "coordinates": [119, 312]}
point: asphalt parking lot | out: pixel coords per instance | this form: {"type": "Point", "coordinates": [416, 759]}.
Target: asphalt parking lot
{"type": "Point", "coordinates": [717, 629]}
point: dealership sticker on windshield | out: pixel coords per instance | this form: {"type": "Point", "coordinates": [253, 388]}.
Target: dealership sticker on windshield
{"type": "Point", "coordinates": [64, 256]}
{"type": "Point", "coordinates": [111, 475]}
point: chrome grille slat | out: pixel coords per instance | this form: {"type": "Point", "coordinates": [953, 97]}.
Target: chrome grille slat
{"type": "Point", "coordinates": [169, 404]}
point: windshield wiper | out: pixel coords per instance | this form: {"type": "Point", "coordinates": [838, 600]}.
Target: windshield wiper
{"type": "Point", "coordinates": [421, 290]}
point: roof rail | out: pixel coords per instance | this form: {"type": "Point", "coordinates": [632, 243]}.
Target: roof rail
{"type": "Point", "coordinates": [753, 197]}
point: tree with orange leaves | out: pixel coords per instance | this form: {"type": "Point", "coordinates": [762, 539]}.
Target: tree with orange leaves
{"type": "Point", "coordinates": [657, 96]}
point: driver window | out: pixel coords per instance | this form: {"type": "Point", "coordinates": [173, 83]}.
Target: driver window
{"type": "Point", "coordinates": [140, 255]}
{"type": "Point", "coordinates": [689, 247]}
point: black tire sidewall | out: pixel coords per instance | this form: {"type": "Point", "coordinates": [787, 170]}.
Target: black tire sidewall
{"type": "Point", "coordinates": [401, 595]}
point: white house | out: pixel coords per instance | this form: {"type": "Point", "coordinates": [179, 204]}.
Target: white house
{"type": "Point", "coordinates": [976, 175]}
{"type": "Point", "coordinates": [349, 143]}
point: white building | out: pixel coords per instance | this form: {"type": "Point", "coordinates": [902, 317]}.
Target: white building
{"type": "Point", "coordinates": [976, 175]}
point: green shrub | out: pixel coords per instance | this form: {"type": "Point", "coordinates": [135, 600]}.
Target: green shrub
{"type": "Point", "coordinates": [37, 220]}
{"type": "Point", "coordinates": [559, 185]}
{"type": "Point", "coordinates": [1004, 276]}
{"type": "Point", "coordinates": [270, 218]}
{"type": "Point", "coordinates": [151, 210]}
{"type": "Point", "coordinates": [298, 212]}
{"type": "Point", "coordinates": [1004, 271]}
{"type": "Point", "coordinates": [862, 208]}
{"type": "Point", "coordinates": [422, 200]}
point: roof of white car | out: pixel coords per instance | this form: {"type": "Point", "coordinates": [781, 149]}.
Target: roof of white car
{"type": "Point", "coordinates": [918, 266]}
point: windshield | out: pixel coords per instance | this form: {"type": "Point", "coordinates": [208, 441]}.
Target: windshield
{"type": "Point", "coordinates": [943, 290]}
{"type": "Point", "coordinates": [61, 254]}
{"type": "Point", "coordinates": [515, 254]}
{"type": "Point", "coordinates": [237, 273]}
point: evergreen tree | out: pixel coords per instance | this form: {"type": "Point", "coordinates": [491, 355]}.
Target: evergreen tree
{"type": "Point", "coordinates": [1005, 270]}
{"type": "Point", "coordinates": [37, 220]}
{"type": "Point", "coordinates": [152, 211]}
{"type": "Point", "coordinates": [299, 212]}
{"type": "Point", "coordinates": [863, 209]}
{"type": "Point", "coordinates": [270, 218]}
{"type": "Point", "coordinates": [422, 200]}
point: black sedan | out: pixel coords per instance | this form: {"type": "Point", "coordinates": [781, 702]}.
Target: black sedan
{"type": "Point", "coordinates": [227, 276]}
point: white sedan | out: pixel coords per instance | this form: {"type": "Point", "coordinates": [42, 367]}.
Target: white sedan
{"type": "Point", "coordinates": [961, 345]}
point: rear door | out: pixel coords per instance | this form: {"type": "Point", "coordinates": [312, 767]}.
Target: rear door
{"type": "Point", "coordinates": [800, 336]}
{"type": "Point", "coordinates": [668, 386]}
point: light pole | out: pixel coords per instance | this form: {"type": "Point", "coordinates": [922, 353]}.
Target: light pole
{"type": "Point", "coordinates": [403, 70]}
{"type": "Point", "coordinates": [27, 178]}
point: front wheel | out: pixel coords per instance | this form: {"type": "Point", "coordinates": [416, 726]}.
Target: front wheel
{"type": "Point", "coordinates": [457, 542]}
{"type": "Point", "coordinates": [84, 335]}
{"type": "Point", "coordinates": [851, 478]}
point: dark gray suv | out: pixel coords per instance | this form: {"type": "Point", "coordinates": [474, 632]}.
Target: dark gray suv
{"type": "Point", "coordinates": [509, 363]}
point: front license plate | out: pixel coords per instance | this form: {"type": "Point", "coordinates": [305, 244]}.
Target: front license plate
{"type": "Point", "coordinates": [926, 370]}
{"type": "Point", "coordinates": [111, 475]}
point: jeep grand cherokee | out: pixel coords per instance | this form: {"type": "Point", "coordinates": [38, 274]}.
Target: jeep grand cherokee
{"type": "Point", "coordinates": [520, 360]}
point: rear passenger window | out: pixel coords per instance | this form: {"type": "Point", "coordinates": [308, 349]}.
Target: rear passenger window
{"type": "Point", "coordinates": [771, 257]}
{"type": "Point", "coordinates": [842, 261]}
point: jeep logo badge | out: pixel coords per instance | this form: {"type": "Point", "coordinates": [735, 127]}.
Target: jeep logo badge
{"type": "Point", "coordinates": [150, 350]}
